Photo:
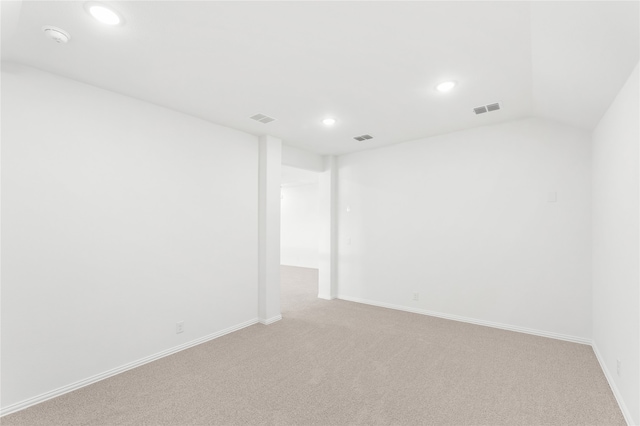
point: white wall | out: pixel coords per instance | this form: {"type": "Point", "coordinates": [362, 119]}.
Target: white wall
{"type": "Point", "coordinates": [300, 226]}
{"type": "Point", "coordinates": [119, 218]}
{"type": "Point", "coordinates": [328, 247]}
{"type": "Point", "coordinates": [301, 159]}
{"type": "Point", "coordinates": [270, 169]}
{"type": "Point", "coordinates": [616, 280]}
{"type": "Point", "coordinates": [464, 220]}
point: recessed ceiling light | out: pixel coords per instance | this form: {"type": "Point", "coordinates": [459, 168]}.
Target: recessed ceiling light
{"type": "Point", "coordinates": [446, 86]}
{"type": "Point", "coordinates": [329, 121]}
{"type": "Point", "coordinates": [104, 14]}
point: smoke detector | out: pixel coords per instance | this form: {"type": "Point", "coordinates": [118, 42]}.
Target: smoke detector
{"type": "Point", "coordinates": [56, 34]}
{"type": "Point", "coordinates": [363, 137]}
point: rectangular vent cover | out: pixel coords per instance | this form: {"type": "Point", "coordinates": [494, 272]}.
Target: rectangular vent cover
{"type": "Point", "coordinates": [487, 108]}
{"type": "Point", "coordinates": [363, 137]}
{"type": "Point", "coordinates": [262, 118]}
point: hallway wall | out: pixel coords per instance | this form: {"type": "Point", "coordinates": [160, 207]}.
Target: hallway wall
{"type": "Point", "coordinates": [300, 226]}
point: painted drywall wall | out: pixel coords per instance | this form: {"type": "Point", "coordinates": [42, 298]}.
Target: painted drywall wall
{"type": "Point", "coordinates": [119, 218]}
{"type": "Point", "coordinates": [465, 220]}
{"type": "Point", "coordinates": [301, 158]}
{"type": "Point", "coordinates": [300, 226]}
{"type": "Point", "coordinates": [328, 247]}
{"type": "Point", "coordinates": [616, 279]}
{"type": "Point", "coordinates": [270, 172]}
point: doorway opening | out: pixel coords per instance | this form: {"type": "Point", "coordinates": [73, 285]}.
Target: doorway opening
{"type": "Point", "coordinates": [299, 235]}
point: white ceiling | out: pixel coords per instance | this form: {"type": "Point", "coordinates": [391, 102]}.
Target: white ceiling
{"type": "Point", "coordinates": [371, 65]}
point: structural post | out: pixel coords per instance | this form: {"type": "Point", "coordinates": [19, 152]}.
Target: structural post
{"type": "Point", "coordinates": [270, 176]}
{"type": "Point", "coordinates": [327, 266]}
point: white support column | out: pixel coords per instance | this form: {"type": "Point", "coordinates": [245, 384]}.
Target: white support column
{"type": "Point", "coordinates": [270, 175]}
{"type": "Point", "coordinates": [327, 266]}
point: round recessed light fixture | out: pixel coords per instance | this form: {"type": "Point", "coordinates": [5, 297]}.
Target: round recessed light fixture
{"type": "Point", "coordinates": [103, 14]}
{"type": "Point", "coordinates": [329, 121]}
{"type": "Point", "coordinates": [56, 34]}
{"type": "Point", "coordinates": [445, 86]}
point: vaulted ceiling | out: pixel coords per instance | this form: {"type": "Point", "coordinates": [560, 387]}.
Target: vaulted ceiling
{"type": "Point", "coordinates": [372, 66]}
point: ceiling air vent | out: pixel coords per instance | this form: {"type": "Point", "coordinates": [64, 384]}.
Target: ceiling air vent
{"type": "Point", "coordinates": [262, 118]}
{"type": "Point", "coordinates": [363, 137]}
{"type": "Point", "coordinates": [487, 108]}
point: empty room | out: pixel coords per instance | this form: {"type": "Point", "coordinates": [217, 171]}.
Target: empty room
{"type": "Point", "coordinates": [320, 213]}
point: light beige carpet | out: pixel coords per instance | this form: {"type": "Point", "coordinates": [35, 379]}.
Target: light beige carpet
{"type": "Point", "coordinates": [339, 363]}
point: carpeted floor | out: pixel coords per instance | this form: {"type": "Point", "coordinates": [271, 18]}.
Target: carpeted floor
{"type": "Point", "coordinates": [338, 363]}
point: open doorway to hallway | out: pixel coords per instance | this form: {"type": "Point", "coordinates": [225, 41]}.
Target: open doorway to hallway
{"type": "Point", "coordinates": [299, 233]}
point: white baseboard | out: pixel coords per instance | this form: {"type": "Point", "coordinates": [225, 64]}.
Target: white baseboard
{"type": "Point", "coordinates": [270, 320]}
{"type": "Point", "coordinates": [325, 296]}
{"type": "Point", "coordinates": [549, 334]}
{"type": "Point", "coordinates": [614, 388]}
{"type": "Point", "coordinates": [93, 379]}
{"type": "Point", "coordinates": [574, 339]}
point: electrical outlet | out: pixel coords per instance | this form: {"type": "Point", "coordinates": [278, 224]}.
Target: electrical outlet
{"type": "Point", "coordinates": [618, 366]}
{"type": "Point", "coordinates": [416, 296]}
{"type": "Point", "coordinates": [179, 327]}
